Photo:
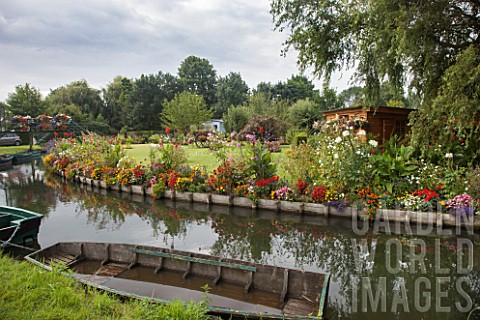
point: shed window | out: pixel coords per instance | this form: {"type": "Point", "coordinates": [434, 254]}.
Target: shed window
{"type": "Point", "coordinates": [400, 128]}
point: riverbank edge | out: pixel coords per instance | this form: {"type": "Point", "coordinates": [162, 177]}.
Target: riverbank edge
{"type": "Point", "coordinates": [31, 293]}
{"type": "Point", "coordinates": [385, 215]}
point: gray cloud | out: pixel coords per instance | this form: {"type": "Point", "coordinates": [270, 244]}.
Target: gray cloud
{"type": "Point", "coordinates": [54, 42]}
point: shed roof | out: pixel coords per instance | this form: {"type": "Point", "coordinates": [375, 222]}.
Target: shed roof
{"type": "Point", "coordinates": [383, 109]}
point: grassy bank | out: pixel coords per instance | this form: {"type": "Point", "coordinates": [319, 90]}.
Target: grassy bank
{"type": "Point", "coordinates": [29, 292]}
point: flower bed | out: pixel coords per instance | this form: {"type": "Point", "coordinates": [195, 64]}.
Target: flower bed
{"type": "Point", "coordinates": [403, 216]}
{"type": "Point", "coordinates": [251, 180]}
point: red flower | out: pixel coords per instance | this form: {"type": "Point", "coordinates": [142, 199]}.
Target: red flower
{"type": "Point", "coordinates": [260, 129]}
{"type": "Point", "coordinates": [262, 183]}
{"type": "Point", "coordinates": [318, 193]}
{"type": "Point", "coordinates": [167, 130]}
{"type": "Point", "coordinates": [302, 186]}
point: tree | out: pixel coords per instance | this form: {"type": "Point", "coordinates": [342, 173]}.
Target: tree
{"type": "Point", "coordinates": [381, 38]}
{"type": "Point", "coordinates": [450, 125]}
{"type": "Point", "coordinates": [26, 100]}
{"type": "Point", "coordinates": [352, 96]}
{"type": "Point", "coordinates": [298, 87]}
{"type": "Point", "coordinates": [185, 110]}
{"type": "Point", "coordinates": [259, 103]}
{"type": "Point", "coordinates": [231, 91]}
{"type": "Point", "coordinates": [198, 76]}
{"type": "Point", "coordinates": [147, 99]}
{"type": "Point", "coordinates": [79, 94]}
{"type": "Point", "coordinates": [117, 97]}
{"type": "Point", "coordinates": [304, 113]}
{"type": "Point", "coordinates": [236, 118]}
{"type": "Point", "coordinates": [266, 88]}
{"type": "Point", "coordinates": [329, 99]}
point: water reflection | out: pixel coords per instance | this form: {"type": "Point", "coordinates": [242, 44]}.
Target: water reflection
{"type": "Point", "coordinates": [398, 276]}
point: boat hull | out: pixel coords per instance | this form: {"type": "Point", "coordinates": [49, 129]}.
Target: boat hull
{"type": "Point", "coordinates": [235, 287]}
{"type": "Point", "coordinates": [6, 163]}
{"type": "Point", "coordinates": [25, 157]}
{"type": "Point", "coordinates": [18, 223]}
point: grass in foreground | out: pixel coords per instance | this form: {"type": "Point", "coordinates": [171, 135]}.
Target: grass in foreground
{"type": "Point", "coordinates": [29, 292]}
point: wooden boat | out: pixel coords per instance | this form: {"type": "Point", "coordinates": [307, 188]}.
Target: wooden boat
{"type": "Point", "coordinates": [6, 162]}
{"type": "Point", "coordinates": [25, 157]}
{"type": "Point", "coordinates": [18, 225]}
{"type": "Point", "coordinates": [235, 288]}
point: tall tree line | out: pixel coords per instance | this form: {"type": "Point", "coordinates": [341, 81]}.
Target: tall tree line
{"type": "Point", "coordinates": [154, 101]}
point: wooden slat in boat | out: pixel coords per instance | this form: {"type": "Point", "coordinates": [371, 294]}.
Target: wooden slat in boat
{"type": "Point", "coordinates": [111, 269]}
{"type": "Point", "coordinates": [299, 307]}
{"type": "Point", "coordinates": [60, 257]}
{"type": "Point", "coordinates": [193, 259]}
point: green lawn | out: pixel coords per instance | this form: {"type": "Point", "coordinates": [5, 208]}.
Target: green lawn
{"type": "Point", "coordinates": [202, 157]}
{"type": "Point", "coordinates": [16, 149]}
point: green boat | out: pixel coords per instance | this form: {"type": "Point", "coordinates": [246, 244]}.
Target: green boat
{"type": "Point", "coordinates": [25, 157]}
{"type": "Point", "coordinates": [6, 162]}
{"type": "Point", "coordinates": [17, 225]}
{"type": "Point", "coordinates": [233, 288]}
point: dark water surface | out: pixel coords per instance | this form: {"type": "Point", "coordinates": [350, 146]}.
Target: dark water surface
{"type": "Point", "coordinates": [375, 275]}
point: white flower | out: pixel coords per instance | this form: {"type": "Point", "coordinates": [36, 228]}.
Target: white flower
{"type": "Point", "coordinates": [335, 156]}
{"type": "Point", "coordinates": [345, 133]}
{"type": "Point", "coordinates": [449, 155]}
{"type": "Point", "coordinates": [338, 140]}
{"type": "Point", "coordinates": [373, 143]}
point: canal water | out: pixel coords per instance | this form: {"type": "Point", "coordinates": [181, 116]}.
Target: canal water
{"type": "Point", "coordinates": [376, 272]}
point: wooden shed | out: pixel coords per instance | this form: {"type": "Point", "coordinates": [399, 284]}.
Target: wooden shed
{"type": "Point", "coordinates": [383, 122]}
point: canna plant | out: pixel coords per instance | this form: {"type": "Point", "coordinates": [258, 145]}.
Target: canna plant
{"type": "Point", "coordinates": [391, 167]}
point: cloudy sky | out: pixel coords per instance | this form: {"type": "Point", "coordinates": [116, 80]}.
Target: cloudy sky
{"type": "Point", "coordinates": [51, 43]}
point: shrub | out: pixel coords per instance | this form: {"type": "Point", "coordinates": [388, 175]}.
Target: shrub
{"type": "Point", "coordinates": [265, 128]}
{"type": "Point", "coordinates": [154, 139]}
{"type": "Point", "coordinates": [170, 156]}
{"type": "Point", "coordinates": [299, 138]}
